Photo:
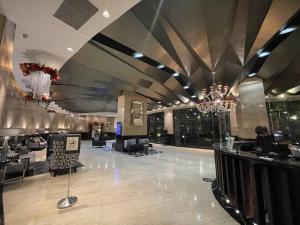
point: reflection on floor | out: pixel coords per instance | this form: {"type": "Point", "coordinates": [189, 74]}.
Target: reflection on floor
{"type": "Point", "coordinates": [114, 188]}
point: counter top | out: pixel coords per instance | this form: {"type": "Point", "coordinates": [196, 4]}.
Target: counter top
{"type": "Point", "coordinates": [286, 162]}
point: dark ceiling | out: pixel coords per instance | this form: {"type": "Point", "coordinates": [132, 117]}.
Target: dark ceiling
{"type": "Point", "coordinates": [197, 38]}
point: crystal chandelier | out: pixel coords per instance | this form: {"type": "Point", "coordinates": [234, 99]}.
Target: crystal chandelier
{"type": "Point", "coordinates": [216, 100]}
{"type": "Point", "coordinates": [56, 108]}
{"type": "Point", "coordinates": [40, 78]}
{"type": "Point", "coordinates": [40, 85]}
{"type": "Point", "coordinates": [52, 113]}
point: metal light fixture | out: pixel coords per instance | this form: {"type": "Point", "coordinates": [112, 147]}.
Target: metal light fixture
{"type": "Point", "coordinates": [160, 66]}
{"type": "Point", "coordinates": [261, 53]}
{"type": "Point", "coordinates": [137, 55]}
{"type": "Point", "coordinates": [176, 74]}
{"type": "Point", "coordinates": [287, 30]}
{"type": "Point", "coordinates": [252, 75]}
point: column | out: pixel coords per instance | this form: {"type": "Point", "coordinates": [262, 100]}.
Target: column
{"type": "Point", "coordinates": [251, 111]}
{"type": "Point", "coordinates": [168, 121]}
{"type": "Point", "coordinates": [130, 105]}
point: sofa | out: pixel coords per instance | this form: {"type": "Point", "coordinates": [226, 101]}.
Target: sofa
{"type": "Point", "coordinates": [36, 143]}
{"type": "Point", "coordinates": [135, 145]}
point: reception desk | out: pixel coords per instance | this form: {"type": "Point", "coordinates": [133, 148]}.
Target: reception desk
{"type": "Point", "coordinates": [264, 191]}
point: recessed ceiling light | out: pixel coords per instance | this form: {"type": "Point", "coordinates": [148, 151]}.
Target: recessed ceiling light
{"type": "Point", "coordinates": [287, 30]}
{"type": "Point", "coordinates": [294, 90]}
{"type": "Point", "coordinates": [160, 66]}
{"type": "Point", "coordinates": [262, 54]}
{"type": "Point", "coordinates": [70, 49]}
{"type": "Point", "coordinates": [252, 75]}
{"type": "Point", "coordinates": [194, 96]}
{"type": "Point", "coordinates": [106, 14]}
{"type": "Point", "coordinates": [176, 74]}
{"type": "Point", "coordinates": [137, 55]}
{"type": "Point", "coordinates": [186, 87]}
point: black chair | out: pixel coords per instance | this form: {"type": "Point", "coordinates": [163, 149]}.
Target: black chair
{"type": "Point", "coordinates": [98, 142]}
{"type": "Point", "coordinates": [14, 171]}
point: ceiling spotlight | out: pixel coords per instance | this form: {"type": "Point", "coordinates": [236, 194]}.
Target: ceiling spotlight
{"type": "Point", "coordinates": [237, 211]}
{"type": "Point", "coordinates": [251, 74]}
{"type": "Point", "coordinates": [287, 30]}
{"type": "Point", "coordinates": [186, 87]}
{"type": "Point", "coordinates": [176, 74]}
{"type": "Point", "coordinates": [137, 55]}
{"type": "Point", "coordinates": [160, 66]}
{"type": "Point", "coordinates": [70, 49]}
{"type": "Point", "coordinates": [194, 96]}
{"type": "Point", "coordinates": [262, 54]}
{"type": "Point", "coordinates": [106, 14]}
{"type": "Point", "coordinates": [159, 102]}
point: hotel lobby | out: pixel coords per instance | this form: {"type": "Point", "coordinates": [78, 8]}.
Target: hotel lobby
{"type": "Point", "coordinates": [149, 112]}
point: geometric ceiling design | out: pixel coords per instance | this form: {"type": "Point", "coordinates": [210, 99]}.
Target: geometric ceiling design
{"type": "Point", "coordinates": [204, 40]}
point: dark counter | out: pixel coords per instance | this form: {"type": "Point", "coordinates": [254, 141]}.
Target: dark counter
{"type": "Point", "coordinates": [264, 191]}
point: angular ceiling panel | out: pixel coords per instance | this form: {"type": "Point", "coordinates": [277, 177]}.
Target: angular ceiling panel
{"type": "Point", "coordinates": [206, 41]}
{"type": "Point", "coordinates": [218, 18]}
{"type": "Point", "coordinates": [129, 31]}
{"type": "Point", "coordinates": [187, 18]}
{"type": "Point", "coordinates": [280, 11]}
{"type": "Point", "coordinates": [281, 57]}
{"type": "Point", "coordinates": [254, 21]}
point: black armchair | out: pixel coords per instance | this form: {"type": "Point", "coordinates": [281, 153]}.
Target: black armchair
{"type": "Point", "coordinates": [98, 142]}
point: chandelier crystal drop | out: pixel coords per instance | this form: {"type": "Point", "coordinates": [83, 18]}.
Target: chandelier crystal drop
{"type": "Point", "coordinates": [40, 85]}
{"type": "Point", "coordinates": [216, 100]}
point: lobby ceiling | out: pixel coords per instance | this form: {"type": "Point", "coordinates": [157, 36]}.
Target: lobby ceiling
{"type": "Point", "coordinates": [200, 39]}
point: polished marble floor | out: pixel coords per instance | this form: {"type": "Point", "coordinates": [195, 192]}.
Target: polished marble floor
{"type": "Point", "coordinates": [117, 189]}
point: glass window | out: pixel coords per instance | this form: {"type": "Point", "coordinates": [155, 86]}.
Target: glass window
{"type": "Point", "coordinates": [155, 126]}
{"type": "Point", "coordinates": [284, 117]}
{"type": "Point", "coordinates": [194, 129]}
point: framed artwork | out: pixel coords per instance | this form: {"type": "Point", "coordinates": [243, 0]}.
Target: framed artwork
{"type": "Point", "coordinates": [137, 113]}
{"type": "Point", "coordinates": [72, 144]}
